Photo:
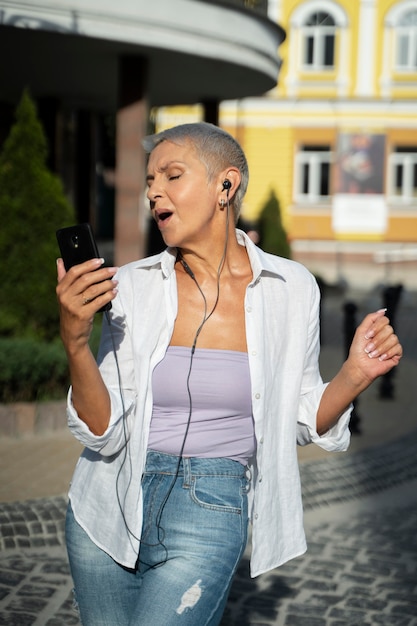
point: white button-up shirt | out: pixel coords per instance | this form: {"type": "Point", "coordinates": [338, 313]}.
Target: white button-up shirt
{"type": "Point", "coordinates": [282, 333]}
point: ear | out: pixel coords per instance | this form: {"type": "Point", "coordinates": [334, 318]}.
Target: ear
{"type": "Point", "coordinates": [229, 181]}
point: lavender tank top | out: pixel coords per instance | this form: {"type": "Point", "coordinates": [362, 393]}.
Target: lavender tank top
{"type": "Point", "coordinates": [221, 418]}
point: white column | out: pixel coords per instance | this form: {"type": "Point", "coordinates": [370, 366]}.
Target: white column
{"type": "Point", "coordinates": [293, 60]}
{"type": "Point", "coordinates": [343, 79]}
{"type": "Point", "coordinates": [366, 49]}
{"type": "Point", "coordinates": [387, 51]}
{"type": "Point", "coordinates": [275, 11]}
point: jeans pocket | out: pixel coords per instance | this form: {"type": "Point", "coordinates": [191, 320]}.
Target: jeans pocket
{"type": "Point", "coordinates": [218, 493]}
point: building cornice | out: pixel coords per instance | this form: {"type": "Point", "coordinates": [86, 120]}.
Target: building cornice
{"type": "Point", "coordinates": [196, 50]}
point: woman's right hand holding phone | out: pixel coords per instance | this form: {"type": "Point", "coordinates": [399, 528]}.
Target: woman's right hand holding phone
{"type": "Point", "coordinates": [82, 291]}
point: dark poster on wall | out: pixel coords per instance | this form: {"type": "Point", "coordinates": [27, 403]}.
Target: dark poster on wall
{"type": "Point", "coordinates": [360, 163]}
{"type": "Point", "coordinates": [359, 206]}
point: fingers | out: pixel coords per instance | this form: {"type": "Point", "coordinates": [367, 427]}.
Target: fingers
{"type": "Point", "coordinates": [378, 339]}
{"type": "Point", "coordinates": [78, 270]}
{"type": "Point", "coordinates": [375, 350]}
{"type": "Point", "coordinates": [85, 285]}
{"type": "Point", "coordinates": [60, 269]}
{"type": "Point", "coordinates": [94, 294]}
{"type": "Point", "coordinates": [370, 321]}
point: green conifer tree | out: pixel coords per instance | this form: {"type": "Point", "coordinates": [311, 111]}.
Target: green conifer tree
{"type": "Point", "coordinates": [273, 237]}
{"type": "Point", "coordinates": [32, 206]}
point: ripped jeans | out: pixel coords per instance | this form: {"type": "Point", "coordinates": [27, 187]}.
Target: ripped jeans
{"type": "Point", "coordinates": [192, 542]}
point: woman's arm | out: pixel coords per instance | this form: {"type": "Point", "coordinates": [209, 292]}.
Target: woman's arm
{"type": "Point", "coordinates": [375, 350]}
{"type": "Point", "coordinates": [81, 292]}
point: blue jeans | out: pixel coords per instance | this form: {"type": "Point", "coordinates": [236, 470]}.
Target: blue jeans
{"type": "Point", "coordinates": [192, 542]}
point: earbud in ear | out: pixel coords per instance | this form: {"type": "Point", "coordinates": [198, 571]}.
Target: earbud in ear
{"type": "Point", "coordinates": [226, 185]}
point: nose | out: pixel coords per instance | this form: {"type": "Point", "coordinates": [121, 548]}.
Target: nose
{"type": "Point", "coordinates": [153, 192]}
{"type": "Point", "coordinates": [150, 193]}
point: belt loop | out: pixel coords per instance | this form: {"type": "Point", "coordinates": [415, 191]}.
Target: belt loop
{"type": "Point", "coordinates": [186, 464]}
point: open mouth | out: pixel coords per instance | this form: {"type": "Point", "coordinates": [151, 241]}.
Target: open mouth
{"type": "Point", "coordinates": [164, 215]}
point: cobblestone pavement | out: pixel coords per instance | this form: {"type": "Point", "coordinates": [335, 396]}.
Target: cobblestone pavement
{"type": "Point", "coordinates": [360, 568]}
{"type": "Point", "coordinates": [361, 564]}
{"type": "Point", "coordinates": [360, 519]}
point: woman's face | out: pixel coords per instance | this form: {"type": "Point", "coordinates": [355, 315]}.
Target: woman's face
{"type": "Point", "coordinates": [183, 202]}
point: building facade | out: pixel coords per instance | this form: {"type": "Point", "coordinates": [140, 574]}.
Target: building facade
{"type": "Point", "coordinates": [336, 140]}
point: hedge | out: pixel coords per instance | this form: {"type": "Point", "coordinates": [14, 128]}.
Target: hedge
{"type": "Point", "coordinates": [33, 370]}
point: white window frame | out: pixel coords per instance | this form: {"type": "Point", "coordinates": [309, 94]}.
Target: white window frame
{"type": "Point", "coordinates": [393, 25]}
{"type": "Point", "coordinates": [408, 34]}
{"type": "Point", "coordinates": [314, 160]}
{"type": "Point", "coordinates": [339, 76]}
{"type": "Point", "coordinates": [318, 33]}
{"type": "Point", "coordinates": [408, 161]}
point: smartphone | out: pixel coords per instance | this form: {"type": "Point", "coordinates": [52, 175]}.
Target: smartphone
{"type": "Point", "coordinates": [77, 245]}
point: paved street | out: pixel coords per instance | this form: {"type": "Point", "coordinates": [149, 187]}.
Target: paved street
{"type": "Point", "coordinates": [361, 565]}
{"type": "Point", "coordinates": [360, 518]}
{"type": "Point", "coordinates": [360, 568]}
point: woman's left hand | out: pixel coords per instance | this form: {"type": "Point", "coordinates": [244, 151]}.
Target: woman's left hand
{"type": "Point", "coordinates": [375, 348]}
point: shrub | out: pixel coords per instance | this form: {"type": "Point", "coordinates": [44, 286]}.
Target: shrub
{"type": "Point", "coordinates": [32, 207]}
{"type": "Point", "coordinates": [273, 237]}
{"type": "Point", "coordinates": [33, 370]}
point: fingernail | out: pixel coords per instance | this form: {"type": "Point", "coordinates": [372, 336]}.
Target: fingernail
{"type": "Point", "coordinates": [369, 334]}
{"type": "Point", "coordinates": [383, 357]}
{"type": "Point", "coordinates": [369, 348]}
{"type": "Point", "coordinates": [382, 310]}
{"type": "Point", "coordinates": [373, 354]}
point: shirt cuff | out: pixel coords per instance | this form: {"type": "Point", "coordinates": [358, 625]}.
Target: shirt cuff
{"type": "Point", "coordinates": [336, 439]}
{"type": "Point", "coordinates": [100, 443]}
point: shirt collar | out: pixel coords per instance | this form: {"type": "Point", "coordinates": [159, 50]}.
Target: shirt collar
{"type": "Point", "coordinates": [165, 260]}
{"type": "Point", "coordinates": [261, 262]}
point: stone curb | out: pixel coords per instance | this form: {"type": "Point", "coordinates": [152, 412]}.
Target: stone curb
{"type": "Point", "coordinates": [23, 419]}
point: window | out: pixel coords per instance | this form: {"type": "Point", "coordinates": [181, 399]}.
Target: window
{"type": "Point", "coordinates": [319, 41]}
{"type": "Point", "coordinates": [402, 174]}
{"type": "Point", "coordinates": [399, 61]}
{"type": "Point", "coordinates": [406, 42]}
{"type": "Point", "coordinates": [319, 48]}
{"type": "Point", "coordinates": [312, 173]}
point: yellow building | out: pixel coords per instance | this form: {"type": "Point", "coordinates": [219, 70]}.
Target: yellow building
{"type": "Point", "coordinates": [336, 140]}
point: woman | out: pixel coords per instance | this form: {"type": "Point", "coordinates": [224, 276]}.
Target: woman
{"type": "Point", "coordinates": [207, 378]}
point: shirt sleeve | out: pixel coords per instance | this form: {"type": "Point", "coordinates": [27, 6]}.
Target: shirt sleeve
{"type": "Point", "coordinates": [336, 438]}
{"type": "Point", "coordinates": [117, 433]}
{"type": "Point", "coordinates": [115, 360]}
